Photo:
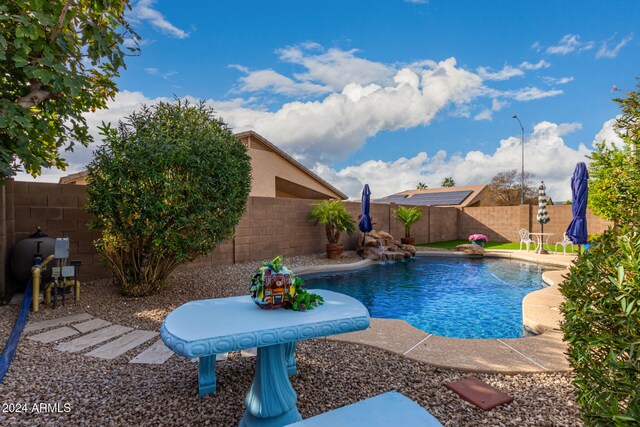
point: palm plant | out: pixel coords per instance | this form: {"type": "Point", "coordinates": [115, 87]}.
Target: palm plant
{"type": "Point", "coordinates": [334, 215]}
{"type": "Point", "coordinates": [408, 217]}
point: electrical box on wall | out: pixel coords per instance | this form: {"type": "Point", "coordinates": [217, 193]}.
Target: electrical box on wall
{"type": "Point", "coordinates": [61, 248]}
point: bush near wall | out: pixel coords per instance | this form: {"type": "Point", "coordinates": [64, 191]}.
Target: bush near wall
{"type": "Point", "coordinates": [602, 328]}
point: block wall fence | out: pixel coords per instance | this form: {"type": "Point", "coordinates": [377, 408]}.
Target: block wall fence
{"type": "Point", "coordinates": [269, 227]}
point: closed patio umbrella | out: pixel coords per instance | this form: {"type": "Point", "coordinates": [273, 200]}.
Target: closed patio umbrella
{"type": "Point", "coordinates": [543, 214]}
{"type": "Point", "coordinates": [577, 230]}
{"type": "Point", "coordinates": [365, 219]}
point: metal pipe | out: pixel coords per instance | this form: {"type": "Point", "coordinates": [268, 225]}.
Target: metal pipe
{"type": "Point", "coordinates": [36, 270]}
{"type": "Point", "coordinates": [515, 116]}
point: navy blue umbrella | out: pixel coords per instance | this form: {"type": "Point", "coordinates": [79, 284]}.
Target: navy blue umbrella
{"type": "Point", "coordinates": [365, 220]}
{"type": "Point", "coordinates": [577, 230]}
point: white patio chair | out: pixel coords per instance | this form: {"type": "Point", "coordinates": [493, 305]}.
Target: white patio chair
{"type": "Point", "coordinates": [566, 241]}
{"type": "Point", "coordinates": [525, 238]}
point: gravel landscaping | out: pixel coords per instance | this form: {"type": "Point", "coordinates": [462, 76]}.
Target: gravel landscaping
{"type": "Point", "coordinates": [330, 374]}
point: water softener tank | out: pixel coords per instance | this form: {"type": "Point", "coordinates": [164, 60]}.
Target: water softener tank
{"type": "Point", "coordinates": [22, 254]}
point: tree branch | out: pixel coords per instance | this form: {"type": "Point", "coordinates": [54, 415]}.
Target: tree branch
{"type": "Point", "coordinates": [58, 27]}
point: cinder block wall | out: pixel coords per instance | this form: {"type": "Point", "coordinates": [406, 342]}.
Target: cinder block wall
{"type": "Point", "coordinates": [269, 227]}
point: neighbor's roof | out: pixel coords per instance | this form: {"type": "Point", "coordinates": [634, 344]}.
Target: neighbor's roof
{"type": "Point", "coordinates": [290, 159]}
{"type": "Point", "coordinates": [446, 196]}
{"type": "Point", "coordinates": [252, 134]}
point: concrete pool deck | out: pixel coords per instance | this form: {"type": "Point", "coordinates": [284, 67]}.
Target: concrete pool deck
{"type": "Point", "coordinates": [539, 353]}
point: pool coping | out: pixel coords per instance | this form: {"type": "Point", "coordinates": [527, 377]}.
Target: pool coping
{"type": "Point", "coordinates": [544, 352]}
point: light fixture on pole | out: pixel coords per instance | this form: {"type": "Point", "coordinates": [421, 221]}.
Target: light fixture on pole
{"type": "Point", "coordinates": [522, 176]}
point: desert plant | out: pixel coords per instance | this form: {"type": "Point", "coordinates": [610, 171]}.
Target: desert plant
{"type": "Point", "coordinates": [335, 217]}
{"type": "Point", "coordinates": [408, 217]}
{"type": "Point", "coordinates": [168, 185]}
{"type": "Point", "coordinates": [602, 328]}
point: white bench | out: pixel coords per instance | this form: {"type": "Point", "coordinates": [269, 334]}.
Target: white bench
{"type": "Point", "coordinates": [385, 410]}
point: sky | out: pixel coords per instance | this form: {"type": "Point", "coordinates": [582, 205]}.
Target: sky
{"type": "Point", "coordinates": [395, 92]}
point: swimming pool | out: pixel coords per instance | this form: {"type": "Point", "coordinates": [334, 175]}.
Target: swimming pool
{"type": "Point", "coordinates": [451, 297]}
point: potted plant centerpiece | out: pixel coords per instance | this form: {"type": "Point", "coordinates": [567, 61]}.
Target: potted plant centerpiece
{"type": "Point", "coordinates": [333, 214]}
{"type": "Point", "coordinates": [478, 239]}
{"type": "Point", "coordinates": [408, 217]}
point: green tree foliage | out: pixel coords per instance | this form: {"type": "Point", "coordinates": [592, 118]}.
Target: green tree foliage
{"type": "Point", "coordinates": [602, 328]}
{"type": "Point", "coordinates": [505, 189]}
{"type": "Point", "coordinates": [448, 182]}
{"type": "Point", "coordinates": [58, 60]}
{"type": "Point", "coordinates": [170, 183]}
{"type": "Point", "coordinates": [422, 186]}
{"type": "Point", "coordinates": [334, 215]}
{"type": "Point", "coordinates": [601, 312]}
{"type": "Point", "coordinates": [614, 189]}
{"type": "Point", "coordinates": [408, 217]}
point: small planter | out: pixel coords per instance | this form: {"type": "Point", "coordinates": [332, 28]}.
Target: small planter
{"type": "Point", "coordinates": [408, 241]}
{"type": "Point", "coordinates": [478, 242]}
{"type": "Point", "coordinates": [334, 250]}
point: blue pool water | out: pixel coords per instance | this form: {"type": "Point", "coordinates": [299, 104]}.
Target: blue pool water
{"type": "Point", "coordinates": [451, 297]}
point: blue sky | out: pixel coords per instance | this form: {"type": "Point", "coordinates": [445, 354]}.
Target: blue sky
{"type": "Point", "coordinates": [394, 92]}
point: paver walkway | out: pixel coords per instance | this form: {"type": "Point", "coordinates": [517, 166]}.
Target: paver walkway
{"type": "Point", "coordinates": [103, 340]}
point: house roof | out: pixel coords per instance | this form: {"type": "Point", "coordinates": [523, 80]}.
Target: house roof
{"type": "Point", "coordinates": [79, 175]}
{"type": "Point", "coordinates": [290, 159]}
{"type": "Point", "coordinates": [459, 196]}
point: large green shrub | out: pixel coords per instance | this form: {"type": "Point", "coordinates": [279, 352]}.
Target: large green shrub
{"type": "Point", "coordinates": [602, 328]}
{"type": "Point", "coordinates": [170, 183]}
{"type": "Point", "coordinates": [601, 313]}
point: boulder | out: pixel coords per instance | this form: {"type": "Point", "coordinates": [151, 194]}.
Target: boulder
{"type": "Point", "coordinates": [370, 241]}
{"type": "Point", "coordinates": [470, 249]}
{"type": "Point", "coordinates": [409, 248]}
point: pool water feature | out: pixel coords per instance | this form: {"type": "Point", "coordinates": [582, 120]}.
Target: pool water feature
{"type": "Point", "coordinates": [451, 297]}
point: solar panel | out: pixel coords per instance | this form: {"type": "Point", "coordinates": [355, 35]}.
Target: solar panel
{"type": "Point", "coordinates": [428, 199]}
{"type": "Point", "coordinates": [439, 199]}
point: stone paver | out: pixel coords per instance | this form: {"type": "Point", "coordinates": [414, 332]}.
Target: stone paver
{"type": "Point", "coordinates": [120, 346]}
{"type": "Point", "coordinates": [394, 335]}
{"type": "Point", "coordinates": [156, 354]}
{"type": "Point", "coordinates": [547, 350]}
{"type": "Point", "coordinates": [53, 335]}
{"type": "Point", "coordinates": [92, 339]}
{"type": "Point", "coordinates": [91, 325]}
{"type": "Point", "coordinates": [46, 324]}
{"type": "Point", "coordinates": [476, 355]}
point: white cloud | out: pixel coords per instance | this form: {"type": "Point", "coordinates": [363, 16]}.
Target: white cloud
{"type": "Point", "coordinates": [530, 93]}
{"type": "Point", "coordinates": [336, 68]}
{"type": "Point", "coordinates": [272, 81]}
{"type": "Point", "coordinates": [606, 52]}
{"type": "Point", "coordinates": [546, 155]}
{"type": "Point", "coordinates": [485, 114]}
{"type": "Point", "coordinates": [143, 11]}
{"type": "Point", "coordinates": [417, 1]}
{"type": "Point", "coordinates": [497, 105]}
{"type": "Point", "coordinates": [536, 46]}
{"type": "Point", "coordinates": [608, 134]}
{"type": "Point", "coordinates": [538, 65]}
{"type": "Point", "coordinates": [557, 81]}
{"type": "Point", "coordinates": [569, 43]}
{"type": "Point", "coordinates": [336, 126]}
{"type": "Point", "coordinates": [505, 73]}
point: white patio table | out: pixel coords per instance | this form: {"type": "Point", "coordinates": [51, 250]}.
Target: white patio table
{"type": "Point", "coordinates": [541, 239]}
{"type": "Point", "coordinates": [205, 328]}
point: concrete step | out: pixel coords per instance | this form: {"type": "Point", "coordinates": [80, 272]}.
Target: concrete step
{"type": "Point", "coordinates": [47, 324]}
{"type": "Point", "coordinates": [157, 354]}
{"type": "Point", "coordinates": [121, 345]}
{"type": "Point", "coordinates": [93, 338]}
{"type": "Point", "coordinates": [53, 335]}
{"type": "Point", "coordinates": [91, 325]}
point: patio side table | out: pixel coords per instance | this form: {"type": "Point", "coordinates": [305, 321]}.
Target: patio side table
{"type": "Point", "coordinates": [205, 328]}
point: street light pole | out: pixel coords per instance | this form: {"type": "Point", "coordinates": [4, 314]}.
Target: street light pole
{"type": "Point", "coordinates": [522, 176]}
